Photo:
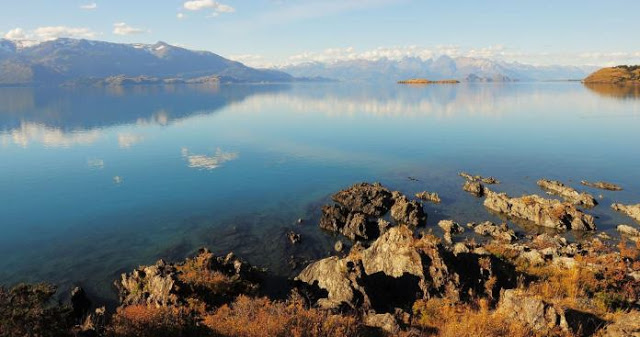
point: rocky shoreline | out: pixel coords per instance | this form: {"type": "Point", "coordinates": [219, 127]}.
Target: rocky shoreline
{"type": "Point", "coordinates": [398, 278]}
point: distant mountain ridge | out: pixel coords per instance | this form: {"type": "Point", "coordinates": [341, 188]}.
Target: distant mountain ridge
{"type": "Point", "coordinates": [64, 59]}
{"type": "Point", "coordinates": [444, 67]}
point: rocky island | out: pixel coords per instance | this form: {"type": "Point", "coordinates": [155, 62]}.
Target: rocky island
{"type": "Point", "coordinates": [619, 75]}
{"type": "Point", "coordinates": [397, 278]}
{"type": "Point", "coordinates": [426, 81]}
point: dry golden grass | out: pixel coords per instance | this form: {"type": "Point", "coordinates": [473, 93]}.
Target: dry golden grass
{"type": "Point", "coordinates": [441, 317]}
{"type": "Point", "coordinates": [261, 317]}
{"type": "Point", "coordinates": [615, 75]}
{"type": "Point", "coordinates": [152, 321]}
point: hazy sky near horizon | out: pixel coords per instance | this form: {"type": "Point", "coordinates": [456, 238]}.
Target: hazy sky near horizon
{"type": "Point", "coordinates": [275, 32]}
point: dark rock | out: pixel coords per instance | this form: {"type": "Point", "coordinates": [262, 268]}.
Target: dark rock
{"type": "Point", "coordinates": [369, 199]}
{"type": "Point", "coordinates": [80, 303]}
{"type": "Point", "coordinates": [293, 237]}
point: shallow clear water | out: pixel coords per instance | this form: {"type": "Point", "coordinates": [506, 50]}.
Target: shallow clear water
{"type": "Point", "coordinates": [97, 181]}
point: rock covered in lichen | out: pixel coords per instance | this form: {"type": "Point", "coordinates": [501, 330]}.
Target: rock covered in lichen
{"type": "Point", "coordinates": [499, 232]}
{"type": "Point", "coordinates": [632, 211]}
{"type": "Point", "coordinates": [540, 211]}
{"type": "Point", "coordinates": [568, 193]}
{"type": "Point", "coordinates": [429, 196]}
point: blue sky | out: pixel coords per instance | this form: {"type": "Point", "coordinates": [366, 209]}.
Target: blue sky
{"type": "Point", "coordinates": [272, 32]}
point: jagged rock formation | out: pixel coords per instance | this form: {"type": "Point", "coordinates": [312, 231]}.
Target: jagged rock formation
{"type": "Point", "coordinates": [631, 210]}
{"type": "Point", "coordinates": [359, 208]}
{"type": "Point", "coordinates": [450, 228]}
{"type": "Point", "coordinates": [603, 185]}
{"type": "Point", "coordinates": [631, 232]}
{"type": "Point", "coordinates": [568, 193]}
{"type": "Point", "coordinates": [542, 212]}
{"type": "Point", "coordinates": [396, 270]}
{"type": "Point", "coordinates": [428, 196]}
{"type": "Point", "coordinates": [487, 180]}
{"type": "Point", "coordinates": [167, 284]}
{"type": "Point", "coordinates": [474, 187]}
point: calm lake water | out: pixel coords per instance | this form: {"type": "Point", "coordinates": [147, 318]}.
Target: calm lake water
{"type": "Point", "coordinates": [96, 181]}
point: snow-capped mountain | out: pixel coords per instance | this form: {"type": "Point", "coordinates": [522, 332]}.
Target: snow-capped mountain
{"type": "Point", "coordinates": [66, 59]}
{"type": "Point", "coordinates": [443, 67]}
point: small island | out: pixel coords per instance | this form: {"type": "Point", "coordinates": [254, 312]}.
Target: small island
{"type": "Point", "coordinates": [621, 75]}
{"type": "Point", "coordinates": [426, 81]}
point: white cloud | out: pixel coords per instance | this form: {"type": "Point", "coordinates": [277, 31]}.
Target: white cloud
{"type": "Point", "coordinates": [89, 6]}
{"type": "Point", "coordinates": [16, 34]}
{"type": "Point", "coordinates": [50, 33]}
{"type": "Point", "coordinates": [180, 16]}
{"type": "Point", "coordinates": [121, 28]}
{"type": "Point", "coordinates": [197, 5]}
{"type": "Point", "coordinates": [29, 133]}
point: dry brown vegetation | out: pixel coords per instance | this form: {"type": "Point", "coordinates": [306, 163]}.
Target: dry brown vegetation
{"type": "Point", "coordinates": [615, 75]}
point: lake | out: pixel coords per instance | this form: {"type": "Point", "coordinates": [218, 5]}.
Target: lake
{"type": "Point", "coordinates": [96, 181]}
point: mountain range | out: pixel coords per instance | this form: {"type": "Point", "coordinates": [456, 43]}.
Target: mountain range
{"type": "Point", "coordinates": [440, 68]}
{"type": "Point", "coordinates": [79, 61]}
{"type": "Point", "coordinates": [64, 59]}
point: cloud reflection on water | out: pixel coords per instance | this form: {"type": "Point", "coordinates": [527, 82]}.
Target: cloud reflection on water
{"type": "Point", "coordinates": [204, 162]}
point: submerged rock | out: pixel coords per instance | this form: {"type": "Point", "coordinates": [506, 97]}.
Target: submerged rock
{"type": "Point", "coordinates": [474, 187]}
{"type": "Point", "coordinates": [540, 211]}
{"type": "Point", "coordinates": [603, 185]}
{"type": "Point", "coordinates": [631, 210]}
{"type": "Point", "coordinates": [498, 232]}
{"type": "Point", "coordinates": [428, 196]}
{"type": "Point", "coordinates": [568, 193]}
{"type": "Point", "coordinates": [477, 178]}
{"type": "Point", "coordinates": [293, 237]}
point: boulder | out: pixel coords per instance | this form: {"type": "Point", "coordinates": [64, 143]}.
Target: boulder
{"type": "Point", "coordinates": [540, 211]}
{"type": "Point", "coordinates": [369, 199]}
{"type": "Point", "coordinates": [632, 211]}
{"type": "Point", "coordinates": [498, 232]}
{"type": "Point", "coordinates": [293, 237]}
{"type": "Point", "coordinates": [474, 187]}
{"type": "Point", "coordinates": [450, 228]}
{"type": "Point", "coordinates": [631, 232]}
{"type": "Point", "coordinates": [626, 325]}
{"type": "Point", "coordinates": [538, 315]}
{"type": "Point", "coordinates": [567, 193]}
{"type": "Point", "coordinates": [408, 212]}
{"type": "Point", "coordinates": [387, 322]}
{"type": "Point", "coordinates": [427, 196]}
{"type": "Point", "coordinates": [602, 185]}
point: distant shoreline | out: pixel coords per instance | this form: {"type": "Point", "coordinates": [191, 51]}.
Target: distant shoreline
{"type": "Point", "coordinates": [426, 81]}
